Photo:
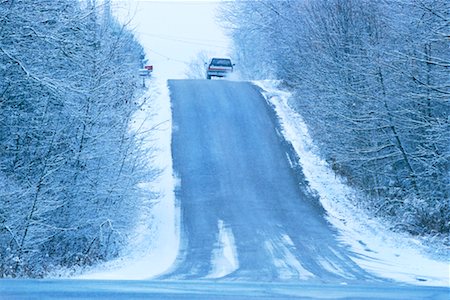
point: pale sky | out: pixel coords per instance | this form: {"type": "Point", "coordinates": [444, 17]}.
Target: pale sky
{"type": "Point", "coordinates": [174, 32]}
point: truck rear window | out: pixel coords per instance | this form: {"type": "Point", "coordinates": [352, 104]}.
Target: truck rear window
{"type": "Point", "coordinates": [221, 62]}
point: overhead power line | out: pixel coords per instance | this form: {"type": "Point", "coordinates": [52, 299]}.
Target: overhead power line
{"type": "Point", "coordinates": [168, 58]}
{"type": "Point", "coordinates": [191, 41]}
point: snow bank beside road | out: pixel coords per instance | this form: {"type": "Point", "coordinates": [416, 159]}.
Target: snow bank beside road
{"type": "Point", "coordinates": [379, 251]}
{"type": "Point", "coordinates": [155, 243]}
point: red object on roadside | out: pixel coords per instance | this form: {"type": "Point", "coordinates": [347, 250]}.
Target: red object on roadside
{"type": "Point", "coordinates": [150, 68]}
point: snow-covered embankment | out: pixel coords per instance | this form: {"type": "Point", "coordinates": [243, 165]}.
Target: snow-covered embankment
{"type": "Point", "coordinates": [154, 245]}
{"type": "Point", "coordinates": [379, 251]}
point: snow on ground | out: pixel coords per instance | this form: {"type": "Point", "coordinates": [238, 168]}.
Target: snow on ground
{"type": "Point", "coordinates": [224, 258]}
{"type": "Point", "coordinates": [382, 252]}
{"type": "Point", "coordinates": [155, 244]}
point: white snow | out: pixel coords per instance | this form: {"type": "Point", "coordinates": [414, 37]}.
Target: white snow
{"type": "Point", "coordinates": [224, 258]}
{"type": "Point", "coordinates": [154, 246]}
{"type": "Point", "coordinates": [328, 265]}
{"type": "Point", "coordinates": [287, 265]}
{"type": "Point", "coordinates": [378, 250]}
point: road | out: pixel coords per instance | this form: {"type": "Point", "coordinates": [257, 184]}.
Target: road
{"type": "Point", "coordinates": [207, 290]}
{"type": "Point", "coordinates": [235, 169]}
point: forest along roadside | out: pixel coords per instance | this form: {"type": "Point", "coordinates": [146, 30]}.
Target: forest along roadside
{"type": "Point", "coordinates": [154, 243]}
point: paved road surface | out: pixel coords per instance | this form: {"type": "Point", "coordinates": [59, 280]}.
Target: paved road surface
{"type": "Point", "coordinates": [235, 168]}
{"type": "Point", "coordinates": [207, 290]}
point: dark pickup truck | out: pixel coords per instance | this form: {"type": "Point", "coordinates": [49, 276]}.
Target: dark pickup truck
{"type": "Point", "coordinates": [219, 67]}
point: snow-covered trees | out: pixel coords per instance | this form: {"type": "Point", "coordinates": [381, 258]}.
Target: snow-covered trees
{"type": "Point", "coordinates": [197, 66]}
{"type": "Point", "coordinates": [69, 166]}
{"type": "Point", "coordinates": [372, 81]}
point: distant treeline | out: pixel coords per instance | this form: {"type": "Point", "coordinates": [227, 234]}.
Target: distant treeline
{"type": "Point", "coordinates": [372, 80]}
{"type": "Point", "coordinates": [69, 165]}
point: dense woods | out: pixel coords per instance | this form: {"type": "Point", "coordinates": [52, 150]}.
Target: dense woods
{"type": "Point", "coordinates": [371, 79]}
{"type": "Point", "coordinates": [69, 165]}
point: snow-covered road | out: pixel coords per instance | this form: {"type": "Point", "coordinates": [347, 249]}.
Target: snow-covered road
{"type": "Point", "coordinates": [245, 205]}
